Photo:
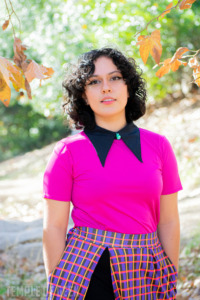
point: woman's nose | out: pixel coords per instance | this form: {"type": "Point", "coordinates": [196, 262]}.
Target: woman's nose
{"type": "Point", "coordinates": [106, 87]}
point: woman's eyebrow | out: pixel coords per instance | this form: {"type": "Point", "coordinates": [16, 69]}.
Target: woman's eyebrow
{"type": "Point", "coordinates": [108, 74]}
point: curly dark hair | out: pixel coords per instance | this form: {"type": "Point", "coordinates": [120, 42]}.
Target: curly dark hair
{"type": "Point", "coordinates": [74, 86]}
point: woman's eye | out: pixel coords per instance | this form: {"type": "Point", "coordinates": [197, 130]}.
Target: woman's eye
{"type": "Point", "coordinates": [118, 77]}
{"type": "Point", "coordinates": [92, 82]}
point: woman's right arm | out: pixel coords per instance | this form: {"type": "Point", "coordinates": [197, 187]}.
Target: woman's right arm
{"type": "Point", "coordinates": [55, 223]}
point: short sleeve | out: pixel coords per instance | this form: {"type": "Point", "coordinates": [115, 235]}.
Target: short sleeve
{"type": "Point", "coordinates": [58, 175]}
{"type": "Point", "coordinates": [170, 174]}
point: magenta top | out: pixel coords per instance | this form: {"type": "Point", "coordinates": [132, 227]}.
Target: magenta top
{"type": "Point", "coordinates": [123, 195]}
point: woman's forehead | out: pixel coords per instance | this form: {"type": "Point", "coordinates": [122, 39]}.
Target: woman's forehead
{"type": "Point", "coordinates": [109, 73]}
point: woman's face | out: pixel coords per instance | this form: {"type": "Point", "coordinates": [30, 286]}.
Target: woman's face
{"type": "Point", "coordinates": [107, 81]}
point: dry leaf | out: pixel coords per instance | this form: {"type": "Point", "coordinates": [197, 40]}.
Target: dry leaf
{"type": "Point", "coordinates": [5, 24]}
{"type": "Point", "coordinates": [196, 75]}
{"type": "Point", "coordinates": [167, 12]}
{"type": "Point", "coordinates": [186, 4]}
{"type": "Point", "coordinates": [5, 92]}
{"type": "Point", "coordinates": [150, 44]}
{"type": "Point", "coordinates": [36, 71]}
{"type": "Point", "coordinates": [193, 63]}
{"type": "Point", "coordinates": [179, 53]}
{"type": "Point", "coordinates": [16, 76]}
{"type": "Point", "coordinates": [3, 69]}
{"type": "Point", "coordinates": [28, 89]}
{"type": "Point", "coordinates": [21, 73]}
{"type": "Point", "coordinates": [19, 56]}
{"type": "Point", "coordinates": [13, 73]}
{"type": "Point", "coordinates": [192, 140]}
{"type": "Point", "coordinates": [172, 63]}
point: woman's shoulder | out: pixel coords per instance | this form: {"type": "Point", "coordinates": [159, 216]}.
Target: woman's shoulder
{"type": "Point", "coordinates": [71, 141]}
{"type": "Point", "coordinates": [149, 134]}
{"type": "Point", "coordinates": [157, 141]}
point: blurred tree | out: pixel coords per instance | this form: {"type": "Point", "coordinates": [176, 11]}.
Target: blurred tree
{"type": "Point", "coordinates": [22, 129]}
{"type": "Point", "coordinates": [58, 31]}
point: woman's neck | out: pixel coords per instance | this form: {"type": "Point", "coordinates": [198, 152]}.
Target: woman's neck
{"type": "Point", "coordinates": [112, 125]}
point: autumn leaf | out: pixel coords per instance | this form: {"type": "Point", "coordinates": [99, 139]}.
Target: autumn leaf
{"type": "Point", "coordinates": [28, 88]}
{"type": "Point", "coordinates": [192, 140]}
{"type": "Point", "coordinates": [175, 61]}
{"type": "Point", "coordinates": [29, 67]}
{"type": "Point", "coordinates": [144, 47]}
{"type": "Point", "coordinates": [9, 72]}
{"type": "Point", "coordinates": [167, 12]}
{"type": "Point", "coordinates": [196, 75]}
{"type": "Point", "coordinates": [5, 24]}
{"type": "Point", "coordinates": [5, 91]}
{"type": "Point", "coordinates": [3, 69]}
{"type": "Point", "coordinates": [19, 56]}
{"type": "Point", "coordinates": [16, 76]}
{"type": "Point", "coordinates": [150, 44]}
{"type": "Point", "coordinates": [13, 73]}
{"type": "Point", "coordinates": [34, 70]}
{"type": "Point", "coordinates": [186, 4]}
{"type": "Point", "coordinates": [172, 63]}
{"type": "Point", "coordinates": [193, 63]}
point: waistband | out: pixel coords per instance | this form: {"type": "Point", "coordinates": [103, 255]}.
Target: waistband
{"type": "Point", "coordinates": [115, 239]}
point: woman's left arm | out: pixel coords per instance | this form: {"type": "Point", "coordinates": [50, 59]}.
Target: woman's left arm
{"type": "Point", "coordinates": [169, 226]}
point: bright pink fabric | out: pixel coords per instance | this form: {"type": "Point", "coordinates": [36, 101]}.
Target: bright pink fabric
{"type": "Point", "coordinates": [122, 196]}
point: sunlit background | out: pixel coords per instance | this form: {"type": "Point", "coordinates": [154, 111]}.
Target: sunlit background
{"type": "Point", "coordinates": [56, 33]}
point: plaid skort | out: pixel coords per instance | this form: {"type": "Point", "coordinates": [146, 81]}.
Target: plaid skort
{"type": "Point", "coordinates": [140, 268]}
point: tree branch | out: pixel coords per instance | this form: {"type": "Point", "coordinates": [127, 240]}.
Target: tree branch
{"type": "Point", "coordinates": [9, 16]}
{"type": "Point", "coordinates": [156, 18]}
{"type": "Point", "coordinates": [13, 11]}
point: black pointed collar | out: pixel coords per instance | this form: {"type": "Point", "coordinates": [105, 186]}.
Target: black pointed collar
{"type": "Point", "coordinates": [102, 140]}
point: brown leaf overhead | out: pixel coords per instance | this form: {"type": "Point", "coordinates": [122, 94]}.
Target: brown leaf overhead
{"type": "Point", "coordinates": [193, 63]}
{"type": "Point", "coordinates": [196, 75]}
{"type": "Point", "coordinates": [172, 63]}
{"type": "Point", "coordinates": [5, 24]}
{"type": "Point", "coordinates": [34, 70]}
{"type": "Point", "coordinates": [3, 69]}
{"type": "Point", "coordinates": [5, 91]}
{"type": "Point", "coordinates": [150, 44]}
{"type": "Point", "coordinates": [19, 56]}
{"type": "Point", "coordinates": [28, 89]}
{"type": "Point", "coordinates": [9, 72]}
{"type": "Point", "coordinates": [186, 4]}
{"type": "Point", "coordinates": [21, 73]}
{"type": "Point", "coordinates": [30, 68]}
{"type": "Point", "coordinates": [167, 12]}
{"type": "Point", "coordinates": [16, 76]}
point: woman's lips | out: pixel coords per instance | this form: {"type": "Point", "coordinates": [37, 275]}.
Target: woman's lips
{"type": "Point", "coordinates": [108, 101]}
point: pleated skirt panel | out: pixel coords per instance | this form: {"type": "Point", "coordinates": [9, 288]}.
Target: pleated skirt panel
{"type": "Point", "coordinates": [140, 269]}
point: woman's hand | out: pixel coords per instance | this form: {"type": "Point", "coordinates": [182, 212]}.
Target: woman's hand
{"type": "Point", "coordinates": [169, 227]}
{"type": "Point", "coordinates": [55, 223]}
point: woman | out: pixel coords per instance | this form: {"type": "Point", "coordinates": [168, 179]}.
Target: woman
{"type": "Point", "coordinates": [123, 183]}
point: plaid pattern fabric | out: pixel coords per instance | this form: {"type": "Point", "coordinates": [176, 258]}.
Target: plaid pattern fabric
{"type": "Point", "coordinates": [140, 268]}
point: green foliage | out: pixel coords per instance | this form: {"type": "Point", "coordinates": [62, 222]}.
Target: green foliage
{"type": "Point", "coordinates": [193, 244]}
{"type": "Point", "coordinates": [22, 129]}
{"type": "Point", "coordinates": [57, 32]}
